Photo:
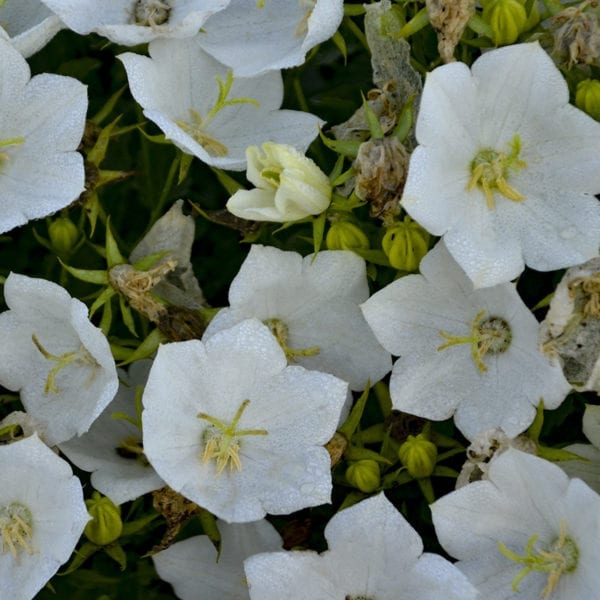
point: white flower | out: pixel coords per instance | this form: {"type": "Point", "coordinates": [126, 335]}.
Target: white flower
{"type": "Point", "coordinates": [29, 23]}
{"type": "Point", "coordinates": [42, 516]}
{"type": "Point", "coordinates": [506, 168]}
{"type": "Point", "coordinates": [471, 353]}
{"type": "Point", "coordinates": [41, 124]}
{"type": "Point", "coordinates": [195, 571]}
{"type": "Point", "coordinates": [527, 533]}
{"type": "Point", "coordinates": [112, 448]}
{"type": "Point", "coordinates": [259, 35]}
{"type": "Point", "coordinates": [312, 306]}
{"type": "Point", "coordinates": [373, 553]}
{"type": "Point", "coordinates": [213, 115]}
{"type": "Point", "coordinates": [133, 22]}
{"type": "Point", "coordinates": [229, 426]}
{"type": "Point", "coordinates": [52, 353]}
{"type": "Point", "coordinates": [289, 186]}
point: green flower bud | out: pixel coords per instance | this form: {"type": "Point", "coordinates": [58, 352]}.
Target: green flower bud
{"type": "Point", "coordinates": [507, 19]}
{"type": "Point", "coordinates": [418, 455]}
{"type": "Point", "coordinates": [364, 475]}
{"type": "Point", "coordinates": [587, 97]}
{"type": "Point", "coordinates": [344, 235]}
{"type": "Point", "coordinates": [106, 525]}
{"type": "Point", "coordinates": [405, 243]}
{"type": "Point", "coordinates": [63, 235]}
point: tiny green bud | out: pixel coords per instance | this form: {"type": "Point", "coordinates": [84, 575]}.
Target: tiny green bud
{"type": "Point", "coordinates": [106, 525]}
{"type": "Point", "coordinates": [418, 455]}
{"type": "Point", "coordinates": [344, 235]}
{"type": "Point", "coordinates": [507, 19]}
{"type": "Point", "coordinates": [405, 243]}
{"type": "Point", "coordinates": [364, 475]}
{"type": "Point", "coordinates": [587, 97]}
{"type": "Point", "coordinates": [63, 235]}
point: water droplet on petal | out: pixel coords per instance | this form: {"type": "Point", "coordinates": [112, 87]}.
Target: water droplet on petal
{"type": "Point", "coordinates": [569, 233]}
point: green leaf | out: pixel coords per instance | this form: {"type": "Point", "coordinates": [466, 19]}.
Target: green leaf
{"type": "Point", "coordinates": [545, 301]}
{"type": "Point", "coordinates": [372, 121]}
{"type": "Point", "coordinates": [344, 147]}
{"type": "Point", "coordinates": [405, 120]}
{"type": "Point", "coordinates": [116, 552]}
{"type": "Point", "coordinates": [318, 232]}
{"type": "Point", "coordinates": [113, 254]}
{"type": "Point", "coordinates": [146, 349]}
{"type": "Point", "coordinates": [352, 422]}
{"type": "Point", "coordinates": [133, 527]}
{"type": "Point", "coordinates": [106, 320]}
{"type": "Point", "coordinates": [340, 44]}
{"type": "Point", "coordinates": [108, 106]}
{"type": "Point", "coordinates": [149, 261]}
{"type": "Point", "coordinates": [80, 556]}
{"type": "Point", "coordinates": [88, 275]}
{"type": "Point", "coordinates": [127, 316]}
{"type": "Point", "coordinates": [184, 166]}
{"type": "Point", "coordinates": [357, 453]}
{"type": "Point", "coordinates": [376, 257]}
{"type": "Point", "coordinates": [229, 183]}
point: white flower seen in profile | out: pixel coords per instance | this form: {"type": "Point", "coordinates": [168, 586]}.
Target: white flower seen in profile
{"type": "Point", "coordinates": [42, 516]}
{"type": "Point", "coordinates": [41, 124]}
{"type": "Point", "coordinates": [289, 186]}
{"type": "Point", "coordinates": [373, 553]}
{"type": "Point", "coordinates": [260, 35]}
{"type": "Point", "coordinates": [112, 448]}
{"type": "Point", "coordinates": [59, 361]}
{"type": "Point", "coordinates": [29, 23]}
{"type": "Point", "coordinates": [230, 426]}
{"type": "Point", "coordinates": [526, 533]}
{"type": "Point", "coordinates": [213, 116]}
{"type": "Point", "coordinates": [506, 169]}
{"type": "Point", "coordinates": [471, 353]}
{"type": "Point", "coordinates": [133, 22]}
{"type": "Point", "coordinates": [311, 305]}
{"type": "Point", "coordinates": [195, 570]}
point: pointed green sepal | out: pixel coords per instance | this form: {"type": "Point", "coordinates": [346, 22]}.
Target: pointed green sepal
{"type": "Point", "coordinates": [352, 422]}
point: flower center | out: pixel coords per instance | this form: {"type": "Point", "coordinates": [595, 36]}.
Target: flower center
{"type": "Point", "coordinates": [131, 447]}
{"type": "Point", "coordinates": [4, 157]}
{"type": "Point", "coordinates": [590, 288]}
{"type": "Point", "coordinates": [490, 170]}
{"type": "Point", "coordinates": [16, 529]}
{"type": "Point", "coordinates": [280, 331]}
{"type": "Point", "coordinates": [81, 357]}
{"type": "Point", "coordinates": [196, 128]}
{"type": "Point", "coordinates": [221, 441]}
{"type": "Point", "coordinates": [561, 557]}
{"type": "Point", "coordinates": [151, 13]}
{"type": "Point", "coordinates": [488, 335]}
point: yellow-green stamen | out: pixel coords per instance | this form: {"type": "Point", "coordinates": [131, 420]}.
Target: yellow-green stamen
{"type": "Point", "coordinates": [561, 557]}
{"type": "Point", "coordinates": [196, 128]}
{"type": "Point", "coordinates": [280, 331]}
{"type": "Point", "coordinates": [131, 447]}
{"type": "Point", "coordinates": [80, 356]}
{"type": "Point", "coordinates": [16, 529]}
{"type": "Point", "coordinates": [221, 441]}
{"type": "Point", "coordinates": [488, 335]}
{"type": "Point", "coordinates": [490, 170]}
{"type": "Point", "coordinates": [9, 142]}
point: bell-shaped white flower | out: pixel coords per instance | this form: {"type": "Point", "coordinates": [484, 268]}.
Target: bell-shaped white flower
{"type": "Point", "coordinates": [257, 36]}
{"type": "Point", "coordinates": [41, 124]}
{"type": "Point", "coordinates": [526, 533]}
{"type": "Point", "coordinates": [59, 361]}
{"type": "Point", "coordinates": [112, 448]}
{"type": "Point", "coordinates": [312, 307]}
{"type": "Point", "coordinates": [230, 426]}
{"type": "Point", "coordinates": [471, 353]}
{"type": "Point", "coordinates": [373, 553]}
{"type": "Point", "coordinates": [289, 186]}
{"type": "Point", "coordinates": [506, 169]}
{"type": "Point", "coordinates": [42, 516]}
{"type": "Point", "coordinates": [29, 23]}
{"type": "Point", "coordinates": [133, 22]}
{"type": "Point", "coordinates": [195, 570]}
{"type": "Point", "coordinates": [213, 115]}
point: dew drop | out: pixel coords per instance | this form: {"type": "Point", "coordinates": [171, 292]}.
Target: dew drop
{"type": "Point", "coordinates": [569, 233]}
